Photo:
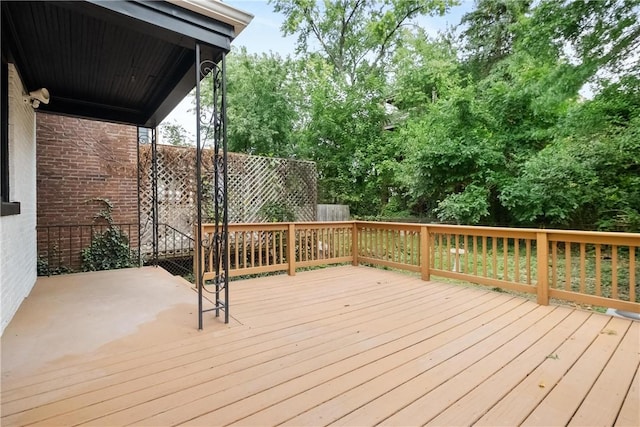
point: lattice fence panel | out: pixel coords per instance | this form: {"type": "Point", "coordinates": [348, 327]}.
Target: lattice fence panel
{"type": "Point", "coordinates": [254, 182]}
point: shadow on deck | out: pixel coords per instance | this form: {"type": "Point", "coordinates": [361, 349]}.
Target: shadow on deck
{"type": "Point", "coordinates": [344, 345]}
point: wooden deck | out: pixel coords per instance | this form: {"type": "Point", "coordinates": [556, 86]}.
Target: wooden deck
{"type": "Point", "coordinates": [353, 346]}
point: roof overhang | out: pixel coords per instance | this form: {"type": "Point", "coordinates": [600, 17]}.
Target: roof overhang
{"type": "Point", "coordinates": [120, 61]}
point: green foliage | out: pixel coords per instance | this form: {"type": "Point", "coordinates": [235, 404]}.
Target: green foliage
{"type": "Point", "coordinates": [552, 186]}
{"type": "Point", "coordinates": [174, 134]}
{"type": "Point", "coordinates": [277, 212]}
{"type": "Point", "coordinates": [353, 36]}
{"type": "Point", "coordinates": [467, 207]}
{"type": "Point", "coordinates": [262, 103]}
{"type": "Point", "coordinates": [490, 31]}
{"type": "Point", "coordinates": [44, 269]}
{"type": "Point", "coordinates": [490, 126]}
{"type": "Point", "coordinates": [108, 250]}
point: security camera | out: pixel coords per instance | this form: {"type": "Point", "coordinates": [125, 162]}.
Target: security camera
{"type": "Point", "coordinates": [38, 96]}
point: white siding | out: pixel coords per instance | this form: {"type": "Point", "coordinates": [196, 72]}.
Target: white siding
{"type": "Point", "coordinates": [18, 232]}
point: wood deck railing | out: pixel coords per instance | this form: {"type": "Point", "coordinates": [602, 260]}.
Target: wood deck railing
{"type": "Point", "coordinates": [596, 268]}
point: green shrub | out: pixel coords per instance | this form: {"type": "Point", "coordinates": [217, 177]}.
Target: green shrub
{"type": "Point", "coordinates": [108, 250]}
{"type": "Point", "coordinates": [277, 212]}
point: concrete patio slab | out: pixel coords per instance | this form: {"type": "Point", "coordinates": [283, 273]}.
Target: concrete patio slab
{"type": "Point", "coordinates": [97, 312]}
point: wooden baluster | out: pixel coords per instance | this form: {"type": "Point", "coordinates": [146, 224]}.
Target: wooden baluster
{"type": "Point", "coordinates": [614, 271]}
{"type": "Point", "coordinates": [357, 238]}
{"type": "Point", "coordinates": [632, 273]}
{"type": "Point", "coordinates": [467, 256]}
{"type": "Point", "coordinates": [484, 256]}
{"type": "Point", "coordinates": [456, 257]}
{"type": "Point", "coordinates": [554, 264]}
{"type": "Point", "coordinates": [261, 237]}
{"type": "Point", "coordinates": [583, 271]}
{"type": "Point", "coordinates": [528, 259]}
{"type": "Point", "coordinates": [505, 258]}
{"type": "Point", "coordinates": [567, 266]}
{"type": "Point", "coordinates": [494, 256]}
{"type": "Point", "coordinates": [441, 251]}
{"type": "Point", "coordinates": [274, 235]}
{"type": "Point", "coordinates": [475, 255]}
{"type": "Point", "coordinates": [516, 255]}
{"type": "Point", "coordinates": [253, 248]}
{"type": "Point", "coordinates": [448, 237]}
{"type": "Point", "coordinates": [291, 248]}
{"type": "Point", "coordinates": [598, 270]}
{"type": "Point", "coordinates": [432, 252]}
{"type": "Point", "coordinates": [236, 248]}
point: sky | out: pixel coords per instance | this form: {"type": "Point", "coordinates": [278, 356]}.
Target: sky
{"type": "Point", "coordinates": [263, 35]}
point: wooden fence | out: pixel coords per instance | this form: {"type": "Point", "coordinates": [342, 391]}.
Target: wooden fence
{"type": "Point", "coordinates": [595, 268]}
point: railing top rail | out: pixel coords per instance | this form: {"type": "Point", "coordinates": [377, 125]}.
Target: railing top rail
{"type": "Point", "coordinates": [286, 224]}
{"type": "Point", "coordinates": [554, 234]}
{"type": "Point", "coordinates": [608, 234]}
{"type": "Point", "coordinates": [390, 225]}
{"type": "Point", "coordinates": [280, 226]}
{"type": "Point", "coordinates": [550, 231]}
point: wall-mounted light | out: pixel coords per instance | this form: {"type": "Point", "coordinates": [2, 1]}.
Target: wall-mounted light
{"type": "Point", "coordinates": [36, 97]}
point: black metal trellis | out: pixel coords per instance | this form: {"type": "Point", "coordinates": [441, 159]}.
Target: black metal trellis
{"type": "Point", "coordinates": [150, 213]}
{"type": "Point", "coordinates": [154, 197]}
{"type": "Point", "coordinates": [214, 246]}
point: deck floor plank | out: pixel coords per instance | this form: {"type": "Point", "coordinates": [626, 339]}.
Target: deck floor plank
{"type": "Point", "coordinates": [422, 353]}
{"type": "Point", "coordinates": [253, 364]}
{"type": "Point", "coordinates": [353, 346]}
{"type": "Point", "coordinates": [604, 401]}
{"type": "Point", "coordinates": [559, 406]}
{"type": "Point", "coordinates": [339, 359]}
{"type": "Point", "coordinates": [629, 415]}
{"type": "Point", "coordinates": [367, 388]}
{"type": "Point", "coordinates": [464, 408]}
{"type": "Point", "coordinates": [197, 344]}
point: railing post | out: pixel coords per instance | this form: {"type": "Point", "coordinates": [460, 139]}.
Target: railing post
{"type": "Point", "coordinates": [291, 249]}
{"type": "Point", "coordinates": [425, 268]}
{"type": "Point", "coordinates": [542, 254]}
{"type": "Point", "coordinates": [354, 244]}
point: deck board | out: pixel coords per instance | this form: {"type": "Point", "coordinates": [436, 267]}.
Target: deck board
{"type": "Point", "coordinates": [353, 346]}
{"type": "Point", "coordinates": [605, 399]}
{"type": "Point", "coordinates": [629, 415]}
{"type": "Point", "coordinates": [566, 397]}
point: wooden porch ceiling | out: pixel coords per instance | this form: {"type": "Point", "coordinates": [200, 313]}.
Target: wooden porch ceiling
{"type": "Point", "coordinates": [354, 346]}
{"type": "Point", "coordinates": [128, 62]}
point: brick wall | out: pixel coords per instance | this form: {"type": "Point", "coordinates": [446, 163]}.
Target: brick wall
{"type": "Point", "coordinates": [79, 160]}
{"type": "Point", "coordinates": [17, 232]}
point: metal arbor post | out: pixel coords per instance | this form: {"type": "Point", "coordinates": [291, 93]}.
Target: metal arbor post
{"type": "Point", "coordinates": [212, 246]}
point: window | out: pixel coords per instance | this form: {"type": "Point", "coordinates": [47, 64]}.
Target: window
{"type": "Point", "coordinates": [6, 206]}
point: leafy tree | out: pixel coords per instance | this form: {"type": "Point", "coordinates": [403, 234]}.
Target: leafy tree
{"type": "Point", "coordinates": [347, 45]}
{"type": "Point", "coordinates": [552, 187]}
{"type": "Point", "coordinates": [489, 32]}
{"type": "Point", "coordinates": [468, 207]}
{"type": "Point", "coordinates": [262, 104]}
{"type": "Point", "coordinates": [353, 35]}
{"type": "Point", "coordinates": [174, 134]}
{"type": "Point", "coordinates": [425, 70]}
{"type": "Point", "coordinates": [599, 34]}
{"type": "Point", "coordinates": [488, 128]}
{"type": "Point", "coordinates": [343, 134]}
